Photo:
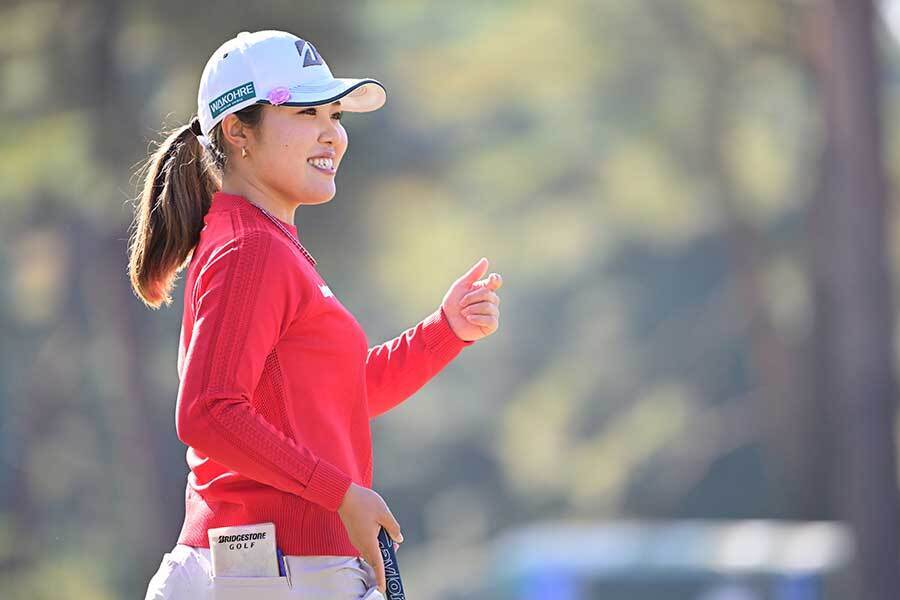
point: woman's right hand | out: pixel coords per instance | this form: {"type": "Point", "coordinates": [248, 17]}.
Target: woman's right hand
{"type": "Point", "coordinates": [363, 512]}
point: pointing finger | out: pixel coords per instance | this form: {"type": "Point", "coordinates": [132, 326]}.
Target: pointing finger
{"type": "Point", "coordinates": [476, 271]}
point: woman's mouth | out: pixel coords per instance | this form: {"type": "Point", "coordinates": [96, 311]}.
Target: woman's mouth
{"type": "Point", "coordinates": [325, 165]}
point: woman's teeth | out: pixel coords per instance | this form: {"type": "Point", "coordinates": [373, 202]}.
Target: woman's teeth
{"type": "Point", "coordinates": [326, 164]}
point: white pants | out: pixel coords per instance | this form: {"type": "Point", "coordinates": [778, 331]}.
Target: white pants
{"type": "Point", "coordinates": [186, 574]}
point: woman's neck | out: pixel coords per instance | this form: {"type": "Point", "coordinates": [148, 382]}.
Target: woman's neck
{"type": "Point", "coordinates": [259, 196]}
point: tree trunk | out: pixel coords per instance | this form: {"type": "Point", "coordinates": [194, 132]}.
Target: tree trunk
{"type": "Point", "coordinates": [853, 294]}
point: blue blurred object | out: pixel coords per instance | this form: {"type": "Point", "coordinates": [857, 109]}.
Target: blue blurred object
{"type": "Point", "coordinates": [549, 586]}
{"type": "Point", "coordinates": [803, 586]}
{"type": "Point", "coordinates": [676, 560]}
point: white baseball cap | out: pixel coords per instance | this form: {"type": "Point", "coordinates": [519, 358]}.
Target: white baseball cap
{"type": "Point", "coordinates": [275, 67]}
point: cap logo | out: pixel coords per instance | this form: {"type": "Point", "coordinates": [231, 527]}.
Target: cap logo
{"type": "Point", "coordinates": [245, 91]}
{"type": "Point", "coordinates": [310, 57]}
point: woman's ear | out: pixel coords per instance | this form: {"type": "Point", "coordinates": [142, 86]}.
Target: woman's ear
{"type": "Point", "coordinates": [234, 132]}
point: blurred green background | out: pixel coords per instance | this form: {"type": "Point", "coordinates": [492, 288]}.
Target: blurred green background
{"type": "Point", "coordinates": [697, 255]}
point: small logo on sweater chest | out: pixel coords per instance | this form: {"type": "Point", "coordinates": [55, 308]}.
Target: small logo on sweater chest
{"type": "Point", "coordinates": [326, 291]}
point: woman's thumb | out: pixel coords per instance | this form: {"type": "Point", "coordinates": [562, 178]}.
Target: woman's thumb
{"type": "Point", "coordinates": [393, 528]}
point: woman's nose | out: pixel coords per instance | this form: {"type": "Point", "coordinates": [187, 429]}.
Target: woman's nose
{"type": "Point", "coordinates": [328, 134]}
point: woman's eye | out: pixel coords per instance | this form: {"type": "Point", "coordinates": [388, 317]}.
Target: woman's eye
{"type": "Point", "coordinates": [337, 116]}
{"type": "Point", "coordinates": [308, 111]}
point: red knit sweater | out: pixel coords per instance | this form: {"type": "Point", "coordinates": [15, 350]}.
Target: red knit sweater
{"type": "Point", "coordinates": [278, 385]}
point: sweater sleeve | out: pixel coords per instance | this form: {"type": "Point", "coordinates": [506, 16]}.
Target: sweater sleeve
{"type": "Point", "coordinates": [396, 369]}
{"type": "Point", "coordinates": [243, 300]}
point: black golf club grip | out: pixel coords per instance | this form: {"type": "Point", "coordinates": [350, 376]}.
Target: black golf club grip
{"type": "Point", "coordinates": [393, 585]}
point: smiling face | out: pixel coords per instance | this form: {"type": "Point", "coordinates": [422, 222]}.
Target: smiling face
{"type": "Point", "coordinates": [294, 154]}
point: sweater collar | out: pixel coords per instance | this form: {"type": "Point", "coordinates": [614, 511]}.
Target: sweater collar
{"type": "Point", "coordinates": [222, 202]}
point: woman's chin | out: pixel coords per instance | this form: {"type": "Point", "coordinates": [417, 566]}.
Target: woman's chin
{"type": "Point", "coordinates": [319, 195]}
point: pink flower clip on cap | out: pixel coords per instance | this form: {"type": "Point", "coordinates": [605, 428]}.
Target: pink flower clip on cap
{"type": "Point", "coordinates": [278, 95]}
{"type": "Point", "coordinates": [278, 68]}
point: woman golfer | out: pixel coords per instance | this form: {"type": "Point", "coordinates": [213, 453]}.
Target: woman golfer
{"type": "Point", "coordinates": [277, 383]}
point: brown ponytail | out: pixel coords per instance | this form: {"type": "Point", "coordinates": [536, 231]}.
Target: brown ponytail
{"type": "Point", "coordinates": [179, 181]}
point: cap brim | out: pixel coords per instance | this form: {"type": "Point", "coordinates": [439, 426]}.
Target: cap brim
{"type": "Point", "coordinates": [356, 95]}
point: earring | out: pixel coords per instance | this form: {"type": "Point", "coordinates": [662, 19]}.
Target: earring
{"type": "Point", "coordinates": [243, 152]}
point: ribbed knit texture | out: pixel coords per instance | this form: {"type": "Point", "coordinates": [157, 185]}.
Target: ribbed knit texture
{"type": "Point", "coordinates": [278, 385]}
